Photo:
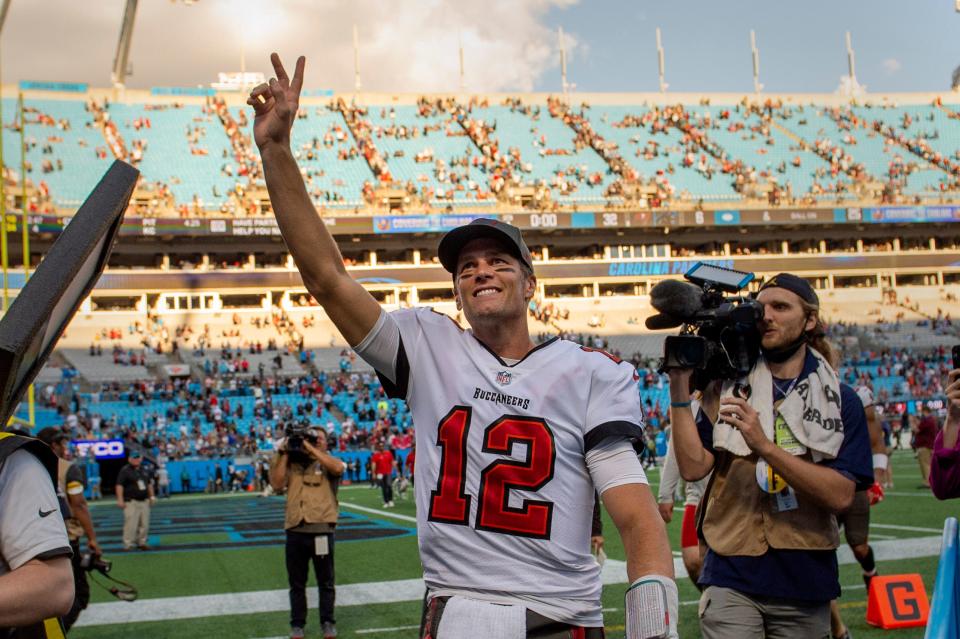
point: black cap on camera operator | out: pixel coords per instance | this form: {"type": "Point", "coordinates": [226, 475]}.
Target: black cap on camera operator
{"type": "Point", "coordinates": [309, 474]}
{"type": "Point", "coordinates": [788, 446]}
{"type": "Point", "coordinates": [71, 483]}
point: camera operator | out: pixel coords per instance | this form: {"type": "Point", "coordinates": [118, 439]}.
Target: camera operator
{"type": "Point", "coordinates": [309, 474]}
{"type": "Point", "coordinates": [71, 484]}
{"type": "Point", "coordinates": [36, 585]}
{"type": "Point", "coordinates": [788, 448]}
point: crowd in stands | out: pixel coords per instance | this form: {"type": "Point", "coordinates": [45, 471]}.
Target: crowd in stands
{"type": "Point", "coordinates": [774, 155]}
{"type": "Point", "coordinates": [230, 408]}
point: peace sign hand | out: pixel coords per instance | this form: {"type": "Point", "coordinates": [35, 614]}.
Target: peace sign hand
{"type": "Point", "coordinates": [275, 104]}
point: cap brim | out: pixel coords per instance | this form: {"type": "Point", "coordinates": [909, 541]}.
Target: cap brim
{"type": "Point", "coordinates": [453, 242]}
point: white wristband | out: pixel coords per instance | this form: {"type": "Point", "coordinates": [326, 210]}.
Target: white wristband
{"type": "Point", "coordinates": [652, 606]}
{"type": "Point", "coordinates": [880, 461]}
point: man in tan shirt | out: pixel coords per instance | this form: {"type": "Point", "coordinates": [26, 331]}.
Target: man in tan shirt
{"type": "Point", "coordinates": [309, 475]}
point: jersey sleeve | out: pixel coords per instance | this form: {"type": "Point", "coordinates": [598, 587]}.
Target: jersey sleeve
{"type": "Point", "coordinates": [394, 341]}
{"type": "Point", "coordinates": [390, 346]}
{"type": "Point", "coordinates": [613, 408]}
{"type": "Point", "coordinates": [31, 526]}
{"type": "Point", "coordinates": [75, 480]}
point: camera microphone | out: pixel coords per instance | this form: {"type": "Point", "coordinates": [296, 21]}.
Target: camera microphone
{"type": "Point", "coordinates": [661, 322]}
{"type": "Point", "coordinates": [676, 299]}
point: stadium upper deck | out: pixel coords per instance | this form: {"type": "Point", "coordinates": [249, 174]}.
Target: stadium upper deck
{"type": "Point", "coordinates": [371, 152]}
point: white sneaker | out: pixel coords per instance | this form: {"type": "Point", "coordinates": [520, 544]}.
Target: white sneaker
{"type": "Point", "coordinates": [386, 505]}
{"type": "Point", "coordinates": [390, 504]}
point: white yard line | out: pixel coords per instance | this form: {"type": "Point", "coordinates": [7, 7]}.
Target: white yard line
{"type": "Point", "coordinates": [240, 603]}
{"type": "Point", "coordinates": [366, 631]}
{"type": "Point", "coordinates": [910, 528]}
{"type": "Point", "coordinates": [379, 511]}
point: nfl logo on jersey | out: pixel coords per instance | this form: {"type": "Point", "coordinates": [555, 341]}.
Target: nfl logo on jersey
{"type": "Point", "coordinates": [504, 377]}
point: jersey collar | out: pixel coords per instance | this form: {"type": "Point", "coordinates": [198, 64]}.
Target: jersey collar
{"type": "Point", "coordinates": [524, 358]}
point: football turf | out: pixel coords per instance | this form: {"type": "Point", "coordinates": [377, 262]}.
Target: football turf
{"type": "Point", "coordinates": [210, 546]}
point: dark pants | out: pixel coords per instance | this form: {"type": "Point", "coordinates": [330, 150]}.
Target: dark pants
{"type": "Point", "coordinates": [386, 487]}
{"type": "Point", "coordinates": [81, 595]}
{"type": "Point", "coordinates": [301, 549]}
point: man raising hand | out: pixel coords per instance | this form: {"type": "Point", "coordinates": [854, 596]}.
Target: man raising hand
{"type": "Point", "coordinates": [513, 439]}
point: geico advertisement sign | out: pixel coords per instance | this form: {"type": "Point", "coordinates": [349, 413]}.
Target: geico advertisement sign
{"type": "Point", "coordinates": [100, 448]}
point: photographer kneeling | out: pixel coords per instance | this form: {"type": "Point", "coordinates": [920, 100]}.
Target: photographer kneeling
{"type": "Point", "coordinates": [788, 445]}
{"type": "Point", "coordinates": [303, 468]}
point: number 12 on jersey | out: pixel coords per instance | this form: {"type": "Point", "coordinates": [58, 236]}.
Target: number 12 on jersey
{"type": "Point", "coordinates": [450, 503]}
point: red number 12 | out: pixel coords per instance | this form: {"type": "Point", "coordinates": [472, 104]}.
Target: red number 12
{"type": "Point", "coordinates": [450, 503]}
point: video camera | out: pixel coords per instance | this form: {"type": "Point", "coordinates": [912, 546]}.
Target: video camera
{"type": "Point", "coordinates": [719, 338]}
{"type": "Point", "coordinates": [297, 432]}
{"type": "Point", "coordinates": [91, 561]}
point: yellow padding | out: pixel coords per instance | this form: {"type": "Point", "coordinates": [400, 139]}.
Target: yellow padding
{"type": "Point", "coordinates": [53, 628]}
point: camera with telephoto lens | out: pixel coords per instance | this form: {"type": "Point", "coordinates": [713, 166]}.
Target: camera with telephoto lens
{"type": "Point", "coordinates": [297, 433]}
{"type": "Point", "coordinates": [91, 561]}
{"type": "Point", "coordinates": [719, 337]}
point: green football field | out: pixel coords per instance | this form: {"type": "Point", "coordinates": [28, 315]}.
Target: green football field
{"type": "Point", "coordinates": [217, 567]}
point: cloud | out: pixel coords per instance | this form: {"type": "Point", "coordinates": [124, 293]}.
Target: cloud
{"type": "Point", "coordinates": [405, 45]}
{"type": "Point", "coordinates": [891, 65]}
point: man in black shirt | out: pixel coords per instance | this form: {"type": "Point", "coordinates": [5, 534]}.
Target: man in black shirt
{"type": "Point", "coordinates": [134, 496]}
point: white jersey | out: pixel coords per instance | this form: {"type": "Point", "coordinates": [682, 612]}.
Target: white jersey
{"type": "Point", "coordinates": [670, 479]}
{"type": "Point", "coordinates": [504, 496]}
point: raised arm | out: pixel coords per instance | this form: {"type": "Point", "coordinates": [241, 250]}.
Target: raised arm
{"type": "Point", "coordinates": [351, 308]}
{"type": "Point", "coordinates": [694, 461]}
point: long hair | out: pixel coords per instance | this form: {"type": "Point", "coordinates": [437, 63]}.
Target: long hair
{"type": "Point", "coordinates": [817, 336]}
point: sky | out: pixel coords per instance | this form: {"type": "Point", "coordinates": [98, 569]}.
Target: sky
{"type": "Point", "coordinates": [508, 45]}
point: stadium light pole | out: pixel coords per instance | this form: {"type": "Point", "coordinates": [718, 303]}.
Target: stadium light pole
{"type": "Point", "coordinates": [755, 57]}
{"type": "Point", "coordinates": [851, 62]}
{"type": "Point", "coordinates": [660, 65]}
{"type": "Point", "coordinates": [120, 59]}
{"type": "Point", "coordinates": [3, 13]}
{"type": "Point", "coordinates": [25, 233]}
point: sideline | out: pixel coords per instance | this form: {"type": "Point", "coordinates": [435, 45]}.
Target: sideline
{"type": "Point", "coordinates": [241, 603]}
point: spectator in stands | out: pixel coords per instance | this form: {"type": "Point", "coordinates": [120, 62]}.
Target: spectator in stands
{"type": "Point", "coordinates": [309, 477]}
{"type": "Point", "coordinates": [945, 465]}
{"type": "Point", "coordinates": [135, 496]}
{"type": "Point", "coordinates": [925, 433]}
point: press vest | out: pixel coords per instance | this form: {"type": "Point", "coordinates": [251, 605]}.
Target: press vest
{"type": "Point", "coordinates": [311, 496]}
{"type": "Point", "coordinates": [737, 518]}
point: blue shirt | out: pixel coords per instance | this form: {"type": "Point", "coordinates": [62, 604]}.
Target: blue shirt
{"type": "Point", "coordinates": [807, 576]}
